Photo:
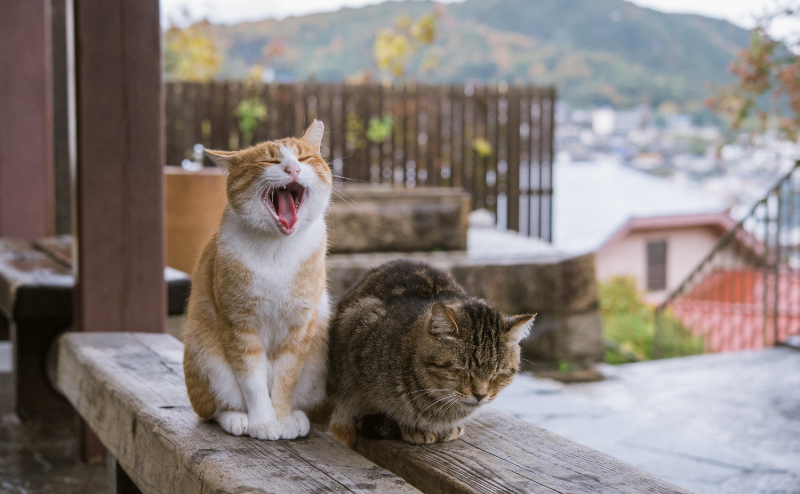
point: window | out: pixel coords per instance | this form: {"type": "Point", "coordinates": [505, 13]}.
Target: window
{"type": "Point", "coordinates": [657, 265]}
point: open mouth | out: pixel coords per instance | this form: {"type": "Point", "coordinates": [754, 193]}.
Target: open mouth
{"type": "Point", "coordinates": [284, 203]}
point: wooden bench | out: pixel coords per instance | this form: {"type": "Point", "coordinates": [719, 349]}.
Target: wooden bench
{"type": "Point", "coordinates": [36, 305]}
{"type": "Point", "coordinates": [129, 388]}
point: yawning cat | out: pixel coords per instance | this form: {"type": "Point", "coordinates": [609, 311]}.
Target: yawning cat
{"type": "Point", "coordinates": [256, 335]}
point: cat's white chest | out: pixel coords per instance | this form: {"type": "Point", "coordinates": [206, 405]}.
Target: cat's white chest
{"type": "Point", "coordinates": [274, 266]}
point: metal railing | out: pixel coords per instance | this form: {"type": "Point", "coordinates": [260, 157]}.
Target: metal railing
{"type": "Point", "coordinates": [746, 293]}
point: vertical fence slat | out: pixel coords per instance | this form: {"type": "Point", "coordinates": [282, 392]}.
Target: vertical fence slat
{"type": "Point", "coordinates": [513, 159]}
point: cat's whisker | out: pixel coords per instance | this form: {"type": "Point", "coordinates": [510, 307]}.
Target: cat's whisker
{"type": "Point", "coordinates": [347, 200]}
{"type": "Point", "coordinates": [352, 179]}
{"type": "Point", "coordinates": [447, 404]}
{"type": "Point", "coordinates": [427, 407]}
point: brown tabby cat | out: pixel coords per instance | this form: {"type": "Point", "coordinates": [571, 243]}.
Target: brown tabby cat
{"type": "Point", "coordinates": [256, 335]}
{"type": "Point", "coordinates": [411, 355]}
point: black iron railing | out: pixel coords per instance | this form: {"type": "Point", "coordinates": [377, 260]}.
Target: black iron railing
{"type": "Point", "coordinates": [746, 293]}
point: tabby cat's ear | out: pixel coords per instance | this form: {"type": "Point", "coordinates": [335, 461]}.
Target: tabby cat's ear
{"type": "Point", "coordinates": [518, 327]}
{"type": "Point", "coordinates": [442, 321]}
{"type": "Point", "coordinates": [313, 134]}
{"type": "Point", "coordinates": [220, 158]}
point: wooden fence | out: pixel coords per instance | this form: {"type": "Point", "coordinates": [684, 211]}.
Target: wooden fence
{"type": "Point", "coordinates": [413, 135]}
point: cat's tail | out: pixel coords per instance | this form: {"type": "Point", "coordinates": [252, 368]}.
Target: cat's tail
{"type": "Point", "coordinates": [378, 426]}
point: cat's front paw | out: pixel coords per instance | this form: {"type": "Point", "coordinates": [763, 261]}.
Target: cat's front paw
{"type": "Point", "coordinates": [450, 435]}
{"type": "Point", "coordinates": [295, 425]}
{"type": "Point", "coordinates": [418, 437]}
{"type": "Point", "coordinates": [233, 422]}
{"type": "Point", "coordinates": [270, 430]}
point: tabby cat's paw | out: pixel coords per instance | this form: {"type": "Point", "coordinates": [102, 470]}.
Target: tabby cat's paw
{"type": "Point", "coordinates": [450, 435]}
{"type": "Point", "coordinates": [270, 430]}
{"type": "Point", "coordinates": [419, 437]}
{"type": "Point", "coordinates": [295, 425]}
{"type": "Point", "coordinates": [233, 422]}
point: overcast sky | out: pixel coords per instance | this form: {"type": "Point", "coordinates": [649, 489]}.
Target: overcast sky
{"type": "Point", "coordinates": [740, 12]}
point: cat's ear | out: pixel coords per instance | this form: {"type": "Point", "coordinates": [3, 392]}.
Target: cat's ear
{"type": "Point", "coordinates": [313, 134]}
{"type": "Point", "coordinates": [220, 158]}
{"type": "Point", "coordinates": [518, 327]}
{"type": "Point", "coordinates": [442, 321]}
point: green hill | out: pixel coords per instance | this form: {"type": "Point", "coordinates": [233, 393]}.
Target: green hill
{"type": "Point", "coordinates": [594, 51]}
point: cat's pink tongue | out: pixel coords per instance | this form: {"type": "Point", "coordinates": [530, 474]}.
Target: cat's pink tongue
{"type": "Point", "coordinates": [287, 214]}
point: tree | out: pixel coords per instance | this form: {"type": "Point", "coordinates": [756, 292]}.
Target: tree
{"type": "Point", "coordinates": [394, 47]}
{"type": "Point", "coordinates": [767, 70]}
{"type": "Point", "coordinates": [190, 54]}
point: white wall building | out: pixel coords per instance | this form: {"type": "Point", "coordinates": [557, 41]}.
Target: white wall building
{"type": "Point", "coordinates": [637, 224]}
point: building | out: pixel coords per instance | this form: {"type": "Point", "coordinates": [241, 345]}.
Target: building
{"type": "Point", "coordinates": [637, 224]}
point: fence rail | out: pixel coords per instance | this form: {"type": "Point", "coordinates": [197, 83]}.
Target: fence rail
{"type": "Point", "coordinates": [746, 293]}
{"type": "Point", "coordinates": [412, 135]}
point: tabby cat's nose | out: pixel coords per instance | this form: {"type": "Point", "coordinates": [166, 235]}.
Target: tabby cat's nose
{"type": "Point", "coordinates": [293, 170]}
{"type": "Point", "coordinates": [479, 396]}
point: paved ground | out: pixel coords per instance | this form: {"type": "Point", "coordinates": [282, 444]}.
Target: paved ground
{"type": "Point", "coordinates": [721, 423]}
{"type": "Point", "coordinates": [38, 456]}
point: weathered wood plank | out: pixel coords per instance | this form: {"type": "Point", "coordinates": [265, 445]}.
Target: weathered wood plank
{"type": "Point", "coordinates": [502, 454]}
{"type": "Point", "coordinates": [130, 389]}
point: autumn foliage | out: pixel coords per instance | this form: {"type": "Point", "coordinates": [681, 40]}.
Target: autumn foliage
{"type": "Point", "coordinates": [767, 71]}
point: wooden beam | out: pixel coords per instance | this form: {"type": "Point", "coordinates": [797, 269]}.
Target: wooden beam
{"type": "Point", "coordinates": [120, 159]}
{"type": "Point", "coordinates": [129, 387]}
{"type": "Point", "coordinates": [26, 120]}
{"type": "Point", "coordinates": [500, 453]}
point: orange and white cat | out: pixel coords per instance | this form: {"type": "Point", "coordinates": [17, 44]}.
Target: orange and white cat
{"type": "Point", "coordinates": [256, 332]}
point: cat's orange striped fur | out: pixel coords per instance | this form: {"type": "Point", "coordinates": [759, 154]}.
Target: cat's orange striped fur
{"type": "Point", "coordinates": [256, 333]}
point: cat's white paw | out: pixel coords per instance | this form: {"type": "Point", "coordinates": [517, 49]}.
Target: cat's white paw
{"type": "Point", "coordinates": [297, 425]}
{"type": "Point", "coordinates": [270, 430]}
{"type": "Point", "coordinates": [233, 422]}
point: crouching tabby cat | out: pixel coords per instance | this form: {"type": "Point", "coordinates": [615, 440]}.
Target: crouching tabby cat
{"type": "Point", "coordinates": [411, 355]}
{"type": "Point", "coordinates": [256, 335]}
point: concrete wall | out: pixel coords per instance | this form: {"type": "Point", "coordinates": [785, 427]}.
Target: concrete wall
{"type": "Point", "coordinates": [686, 247]}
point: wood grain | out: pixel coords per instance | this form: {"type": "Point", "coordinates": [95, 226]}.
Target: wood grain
{"type": "Point", "coordinates": [502, 454]}
{"type": "Point", "coordinates": [120, 161]}
{"type": "Point", "coordinates": [130, 389]}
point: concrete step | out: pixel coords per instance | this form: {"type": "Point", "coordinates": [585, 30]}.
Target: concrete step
{"type": "Point", "coordinates": [715, 423]}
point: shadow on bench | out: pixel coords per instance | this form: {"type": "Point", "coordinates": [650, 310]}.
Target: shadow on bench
{"type": "Point", "coordinates": [129, 388]}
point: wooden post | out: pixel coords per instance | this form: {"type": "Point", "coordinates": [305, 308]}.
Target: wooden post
{"type": "Point", "coordinates": [119, 179]}
{"type": "Point", "coordinates": [26, 120]}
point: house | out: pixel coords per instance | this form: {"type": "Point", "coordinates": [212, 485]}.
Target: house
{"type": "Point", "coordinates": [637, 224]}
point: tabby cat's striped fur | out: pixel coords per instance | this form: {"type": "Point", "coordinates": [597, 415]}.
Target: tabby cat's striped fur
{"type": "Point", "coordinates": [412, 355]}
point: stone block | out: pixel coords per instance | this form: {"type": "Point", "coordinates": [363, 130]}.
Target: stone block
{"type": "Point", "coordinates": [560, 289]}
{"type": "Point", "coordinates": [381, 218]}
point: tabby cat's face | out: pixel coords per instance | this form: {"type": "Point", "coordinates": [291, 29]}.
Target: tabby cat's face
{"type": "Point", "coordinates": [278, 186]}
{"type": "Point", "coordinates": [472, 351]}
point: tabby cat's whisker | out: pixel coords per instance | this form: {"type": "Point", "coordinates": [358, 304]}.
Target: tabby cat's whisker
{"type": "Point", "coordinates": [427, 407]}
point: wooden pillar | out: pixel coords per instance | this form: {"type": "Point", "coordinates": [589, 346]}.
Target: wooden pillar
{"type": "Point", "coordinates": [26, 120]}
{"type": "Point", "coordinates": [119, 176]}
